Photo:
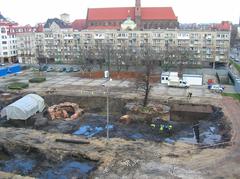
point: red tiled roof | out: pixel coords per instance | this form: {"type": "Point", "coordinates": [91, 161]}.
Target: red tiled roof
{"type": "Point", "coordinates": [224, 25]}
{"type": "Point", "coordinates": [110, 13]}
{"type": "Point", "coordinates": [158, 13]}
{"type": "Point", "coordinates": [40, 28]}
{"type": "Point", "coordinates": [103, 27]}
{"type": "Point", "coordinates": [79, 24]}
{"type": "Point", "coordinates": [148, 13]}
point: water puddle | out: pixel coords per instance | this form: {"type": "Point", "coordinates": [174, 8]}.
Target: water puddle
{"type": "Point", "coordinates": [20, 164]}
{"type": "Point", "coordinates": [137, 136]}
{"type": "Point", "coordinates": [68, 169]}
{"type": "Point", "coordinates": [32, 165]}
{"type": "Point", "coordinates": [209, 136]}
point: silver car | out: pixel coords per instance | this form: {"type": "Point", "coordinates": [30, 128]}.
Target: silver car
{"type": "Point", "coordinates": [217, 88]}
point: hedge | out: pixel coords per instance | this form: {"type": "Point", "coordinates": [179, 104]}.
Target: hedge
{"type": "Point", "coordinates": [37, 80]}
{"type": "Point", "coordinates": [17, 86]}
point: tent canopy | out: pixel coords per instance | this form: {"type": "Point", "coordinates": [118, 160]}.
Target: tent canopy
{"type": "Point", "coordinates": [24, 108]}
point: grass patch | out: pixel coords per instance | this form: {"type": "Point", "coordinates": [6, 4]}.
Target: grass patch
{"type": "Point", "coordinates": [17, 86]}
{"type": "Point", "coordinates": [37, 80]}
{"type": "Point", "coordinates": [237, 66]}
{"type": "Point", "coordinates": [233, 95]}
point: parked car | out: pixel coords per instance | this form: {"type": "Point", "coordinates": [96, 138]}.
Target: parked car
{"type": "Point", "coordinates": [43, 68]}
{"type": "Point", "coordinates": [217, 88]}
{"type": "Point", "coordinates": [50, 69]}
{"type": "Point", "coordinates": [69, 69]}
{"type": "Point", "coordinates": [61, 69]}
{"type": "Point", "coordinates": [237, 60]}
{"type": "Point", "coordinates": [76, 69]}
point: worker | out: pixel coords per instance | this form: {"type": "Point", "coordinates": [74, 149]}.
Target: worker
{"type": "Point", "coordinates": [196, 131]}
{"type": "Point", "coordinates": [153, 125]}
{"type": "Point", "coordinates": [190, 95]}
{"type": "Point", "coordinates": [161, 128]}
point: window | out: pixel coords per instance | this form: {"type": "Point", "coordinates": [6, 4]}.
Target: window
{"type": "Point", "coordinates": [3, 30]}
{"type": "Point", "coordinates": [4, 42]}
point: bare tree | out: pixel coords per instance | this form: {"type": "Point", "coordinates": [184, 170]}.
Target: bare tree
{"type": "Point", "coordinates": [148, 57]}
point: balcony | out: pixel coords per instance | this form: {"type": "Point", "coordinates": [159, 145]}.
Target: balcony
{"type": "Point", "coordinates": [99, 36]}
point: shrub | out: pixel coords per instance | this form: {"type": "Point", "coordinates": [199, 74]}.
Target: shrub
{"type": "Point", "coordinates": [17, 86]}
{"type": "Point", "coordinates": [37, 80]}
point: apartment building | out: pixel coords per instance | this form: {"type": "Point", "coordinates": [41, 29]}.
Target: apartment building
{"type": "Point", "coordinates": [58, 40]}
{"type": "Point", "coordinates": [205, 46]}
{"type": "Point", "coordinates": [26, 48]}
{"type": "Point", "coordinates": [62, 43]}
{"type": "Point", "coordinates": [8, 42]}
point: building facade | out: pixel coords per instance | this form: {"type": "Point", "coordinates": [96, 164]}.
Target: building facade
{"type": "Point", "coordinates": [26, 48]}
{"type": "Point", "coordinates": [62, 43]}
{"type": "Point", "coordinates": [203, 47]}
{"type": "Point", "coordinates": [8, 43]}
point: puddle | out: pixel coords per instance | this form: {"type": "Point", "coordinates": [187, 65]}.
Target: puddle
{"type": "Point", "coordinates": [68, 169]}
{"type": "Point", "coordinates": [137, 136]}
{"type": "Point", "coordinates": [209, 136]}
{"type": "Point", "coordinates": [32, 165]}
{"type": "Point", "coordinates": [20, 164]}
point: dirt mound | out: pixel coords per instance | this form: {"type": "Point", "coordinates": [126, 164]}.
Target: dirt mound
{"type": "Point", "coordinates": [64, 111]}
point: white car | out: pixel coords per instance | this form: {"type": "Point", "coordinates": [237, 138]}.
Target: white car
{"type": "Point", "coordinates": [217, 88]}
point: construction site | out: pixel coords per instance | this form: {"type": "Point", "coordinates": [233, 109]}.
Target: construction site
{"type": "Point", "coordinates": [103, 131]}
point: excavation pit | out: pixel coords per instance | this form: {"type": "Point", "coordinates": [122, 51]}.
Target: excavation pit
{"type": "Point", "coordinates": [212, 125]}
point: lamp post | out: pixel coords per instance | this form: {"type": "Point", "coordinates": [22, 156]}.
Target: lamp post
{"type": "Point", "coordinates": [107, 87]}
{"type": "Point", "coordinates": [107, 113]}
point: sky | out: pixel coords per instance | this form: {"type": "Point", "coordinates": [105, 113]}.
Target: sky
{"type": "Point", "coordinates": [188, 11]}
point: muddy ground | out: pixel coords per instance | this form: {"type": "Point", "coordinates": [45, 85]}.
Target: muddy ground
{"type": "Point", "coordinates": [92, 123]}
{"type": "Point", "coordinates": [134, 150]}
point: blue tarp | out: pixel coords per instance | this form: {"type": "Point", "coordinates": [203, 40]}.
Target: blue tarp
{"type": "Point", "coordinates": [89, 131]}
{"type": "Point", "coordinates": [14, 69]}
{"type": "Point", "coordinates": [3, 71]}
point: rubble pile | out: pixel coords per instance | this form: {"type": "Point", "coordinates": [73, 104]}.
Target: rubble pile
{"type": "Point", "coordinates": [64, 111]}
{"type": "Point", "coordinates": [137, 112]}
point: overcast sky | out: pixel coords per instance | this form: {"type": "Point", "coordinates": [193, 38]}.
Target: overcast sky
{"type": "Point", "coordinates": [188, 11]}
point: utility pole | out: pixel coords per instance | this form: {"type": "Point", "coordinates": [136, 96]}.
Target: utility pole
{"type": "Point", "coordinates": [107, 113]}
{"type": "Point", "coordinates": [107, 87]}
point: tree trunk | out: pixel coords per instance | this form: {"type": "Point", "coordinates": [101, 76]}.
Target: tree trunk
{"type": "Point", "coordinates": [147, 89]}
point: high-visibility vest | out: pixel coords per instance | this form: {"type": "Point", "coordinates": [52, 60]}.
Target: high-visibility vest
{"type": "Point", "coordinates": [153, 125]}
{"type": "Point", "coordinates": [161, 128]}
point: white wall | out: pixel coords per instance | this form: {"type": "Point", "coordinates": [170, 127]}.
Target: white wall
{"type": "Point", "coordinates": [193, 79]}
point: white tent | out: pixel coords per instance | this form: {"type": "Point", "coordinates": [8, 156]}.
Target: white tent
{"type": "Point", "coordinates": [24, 107]}
{"type": "Point", "coordinates": [40, 101]}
